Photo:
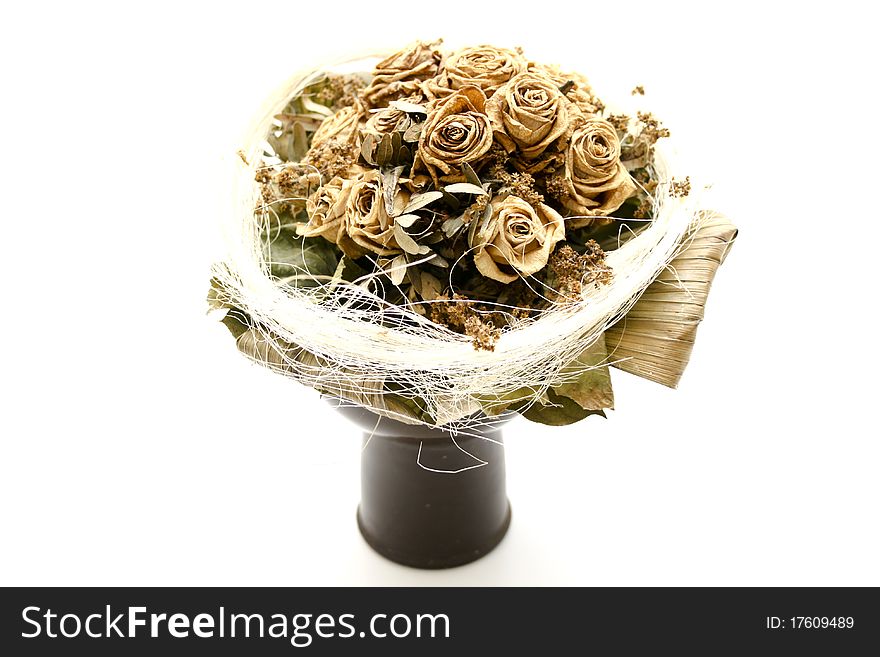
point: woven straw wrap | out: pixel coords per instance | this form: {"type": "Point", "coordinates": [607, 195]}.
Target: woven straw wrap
{"type": "Point", "coordinates": [655, 338]}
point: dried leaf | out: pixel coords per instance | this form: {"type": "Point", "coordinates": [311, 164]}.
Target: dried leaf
{"type": "Point", "coordinates": [591, 388]}
{"type": "Point", "coordinates": [430, 287]}
{"type": "Point", "coordinates": [487, 215]}
{"type": "Point", "coordinates": [407, 220]}
{"type": "Point", "coordinates": [310, 105]}
{"type": "Point", "coordinates": [482, 223]}
{"type": "Point", "coordinates": [472, 230]}
{"type": "Point", "coordinates": [470, 175]}
{"type": "Point", "coordinates": [384, 151]}
{"type": "Point", "coordinates": [397, 269]}
{"type": "Point", "coordinates": [396, 143]}
{"type": "Point", "coordinates": [451, 226]}
{"type": "Point", "coordinates": [403, 124]}
{"type": "Point", "coordinates": [438, 261]}
{"type": "Point", "coordinates": [367, 147]}
{"type": "Point", "coordinates": [298, 261]}
{"type": "Point", "coordinates": [558, 412]}
{"type": "Point", "coordinates": [414, 274]}
{"type": "Point", "coordinates": [411, 108]}
{"type": "Point", "coordinates": [451, 201]}
{"type": "Point", "coordinates": [567, 86]}
{"type": "Point", "coordinates": [390, 178]}
{"type": "Point", "coordinates": [351, 270]}
{"type": "Point", "coordinates": [413, 132]}
{"type": "Point", "coordinates": [300, 144]}
{"type": "Point", "coordinates": [419, 201]}
{"type": "Point", "coordinates": [654, 339]}
{"type": "Point", "coordinates": [465, 188]}
{"type": "Point", "coordinates": [237, 322]}
{"type": "Point", "coordinates": [311, 122]}
{"type": "Point", "coordinates": [217, 296]}
{"type": "Point", "coordinates": [407, 243]}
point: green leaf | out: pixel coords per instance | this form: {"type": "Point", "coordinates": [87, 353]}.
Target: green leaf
{"type": "Point", "coordinates": [589, 379]}
{"type": "Point", "coordinates": [351, 270]}
{"type": "Point", "coordinates": [499, 404]}
{"type": "Point", "coordinates": [560, 411]}
{"type": "Point", "coordinates": [298, 260]}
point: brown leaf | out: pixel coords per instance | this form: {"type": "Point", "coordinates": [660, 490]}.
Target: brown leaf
{"type": "Point", "coordinates": [384, 151]}
{"type": "Point", "coordinates": [396, 143]}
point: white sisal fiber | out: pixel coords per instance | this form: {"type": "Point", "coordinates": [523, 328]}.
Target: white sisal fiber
{"type": "Point", "coordinates": [359, 348]}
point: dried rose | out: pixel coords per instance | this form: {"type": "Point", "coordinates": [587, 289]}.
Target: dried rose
{"type": "Point", "coordinates": [352, 215]}
{"type": "Point", "coordinates": [456, 131]}
{"type": "Point", "coordinates": [401, 116]}
{"type": "Point", "coordinates": [326, 210]}
{"type": "Point", "coordinates": [596, 182]}
{"type": "Point", "coordinates": [386, 121]}
{"type": "Point", "coordinates": [575, 86]}
{"type": "Point", "coordinates": [486, 67]}
{"type": "Point", "coordinates": [341, 127]}
{"type": "Point", "coordinates": [529, 114]}
{"type": "Point", "coordinates": [399, 75]}
{"type": "Point", "coordinates": [517, 239]}
{"type": "Point", "coordinates": [368, 226]}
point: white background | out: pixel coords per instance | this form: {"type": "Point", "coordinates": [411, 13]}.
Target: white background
{"type": "Point", "coordinates": [139, 448]}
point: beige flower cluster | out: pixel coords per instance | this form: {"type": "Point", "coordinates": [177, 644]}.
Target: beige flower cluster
{"type": "Point", "coordinates": [440, 138]}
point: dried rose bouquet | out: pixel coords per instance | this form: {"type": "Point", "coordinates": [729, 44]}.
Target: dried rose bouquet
{"type": "Point", "coordinates": [457, 234]}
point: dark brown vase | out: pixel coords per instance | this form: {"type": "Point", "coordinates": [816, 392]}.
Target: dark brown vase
{"type": "Point", "coordinates": [423, 501]}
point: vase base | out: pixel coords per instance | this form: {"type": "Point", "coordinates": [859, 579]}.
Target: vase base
{"type": "Point", "coordinates": [433, 561]}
